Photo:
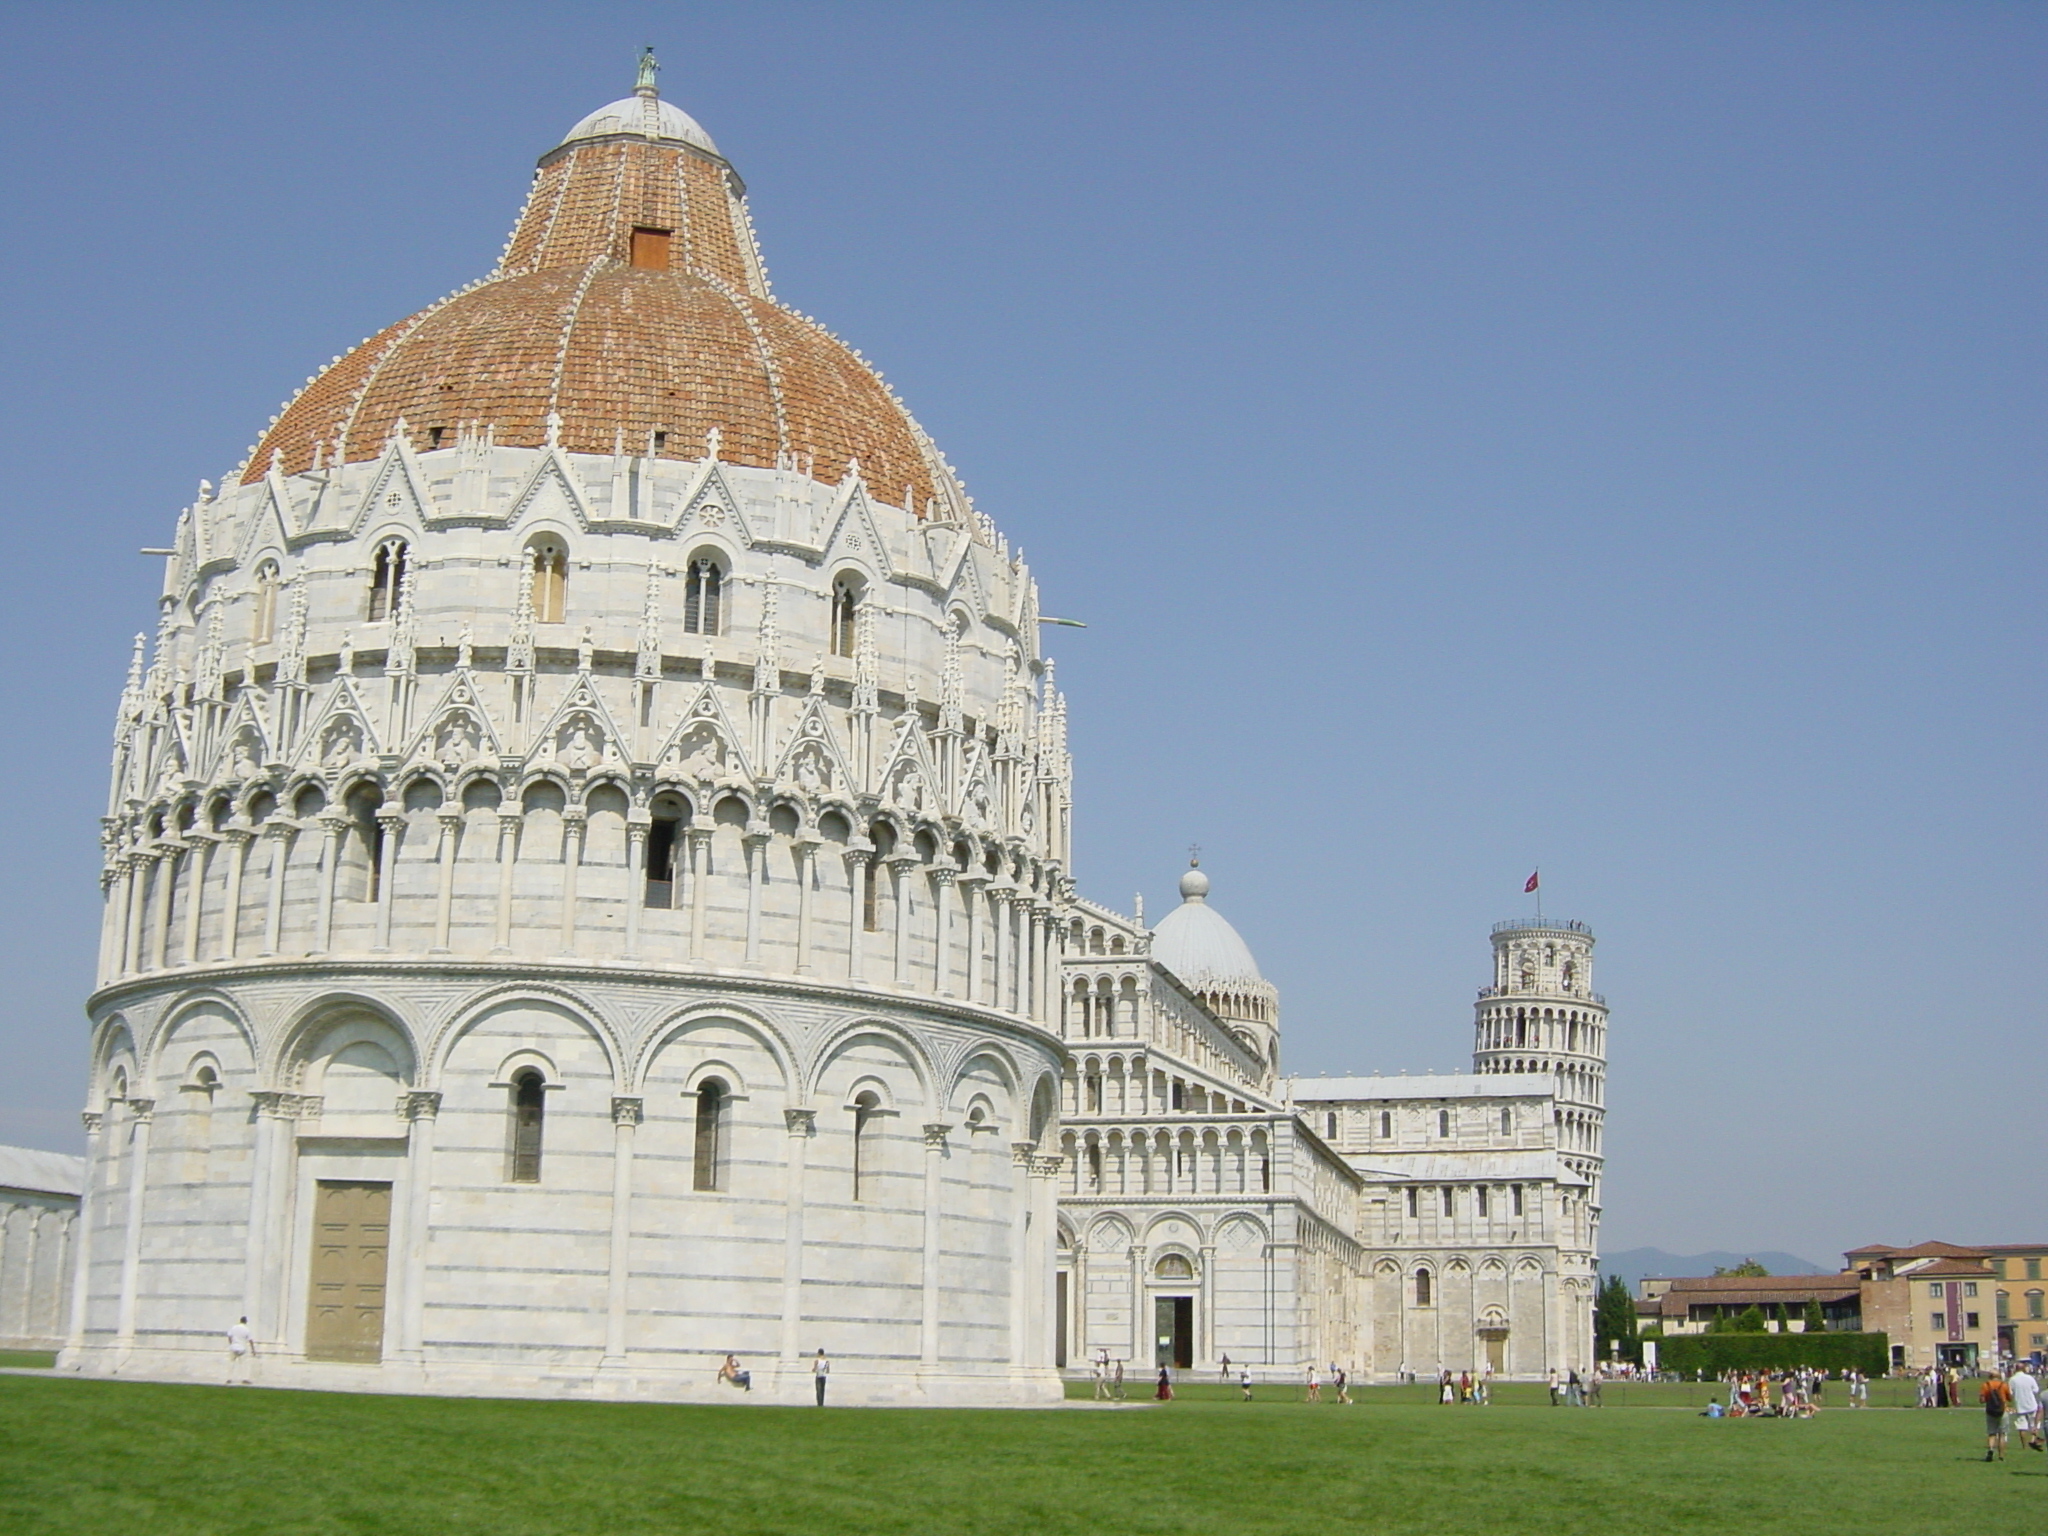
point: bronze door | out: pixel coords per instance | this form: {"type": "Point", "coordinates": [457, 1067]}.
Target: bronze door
{"type": "Point", "coordinates": [351, 1252]}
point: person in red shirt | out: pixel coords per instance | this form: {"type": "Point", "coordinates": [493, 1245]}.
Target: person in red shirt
{"type": "Point", "coordinates": [1996, 1400]}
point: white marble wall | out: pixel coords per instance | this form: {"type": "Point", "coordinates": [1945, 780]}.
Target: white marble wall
{"type": "Point", "coordinates": [35, 1267]}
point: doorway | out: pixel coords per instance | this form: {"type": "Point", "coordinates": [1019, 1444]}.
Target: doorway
{"type": "Point", "coordinates": [1496, 1342]}
{"type": "Point", "coordinates": [1174, 1331]}
{"type": "Point", "coordinates": [351, 1253]}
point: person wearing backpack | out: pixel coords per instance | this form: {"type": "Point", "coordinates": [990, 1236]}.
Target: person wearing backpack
{"type": "Point", "coordinates": [1997, 1399]}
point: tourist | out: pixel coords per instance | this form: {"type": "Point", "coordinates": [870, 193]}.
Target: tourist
{"type": "Point", "coordinates": [1224, 1374]}
{"type": "Point", "coordinates": [241, 1354]}
{"type": "Point", "coordinates": [821, 1371]}
{"type": "Point", "coordinates": [1165, 1392]}
{"type": "Point", "coordinates": [1574, 1390]}
{"type": "Point", "coordinates": [1859, 1390]}
{"type": "Point", "coordinates": [1344, 1388]}
{"type": "Point", "coordinates": [1553, 1386]}
{"type": "Point", "coordinates": [1465, 1389]}
{"type": "Point", "coordinates": [1712, 1410]}
{"type": "Point", "coordinates": [1315, 1386]}
{"type": "Point", "coordinates": [731, 1374]}
{"type": "Point", "coordinates": [1997, 1403]}
{"type": "Point", "coordinates": [2026, 1407]}
{"type": "Point", "coordinates": [1116, 1385]}
{"type": "Point", "coordinates": [1099, 1368]}
{"type": "Point", "coordinates": [1244, 1380]}
{"type": "Point", "coordinates": [1446, 1389]}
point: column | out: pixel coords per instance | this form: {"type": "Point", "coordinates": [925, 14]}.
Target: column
{"type": "Point", "coordinates": [131, 948]}
{"type": "Point", "coordinates": [755, 840]}
{"type": "Point", "coordinates": [625, 1121]}
{"type": "Point", "coordinates": [1141, 1323]}
{"type": "Point", "coordinates": [81, 1248]}
{"type": "Point", "coordinates": [273, 1111]}
{"type": "Point", "coordinates": [1045, 1256]}
{"type": "Point", "coordinates": [700, 858]}
{"type": "Point", "coordinates": [636, 868]}
{"type": "Point", "coordinates": [860, 862]}
{"type": "Point", "coordinates": [166, 860]}
{"type": "Point", "coordinates": [971, 910]}
{"type": "Point", "coordinates": [942, 931]}
{"type": "Point", "coordinates": [332, 826]}
{"type": "Point", "coordinates": [420, 1110]}
{"type": "Point", "coordinates": [1021, 1203]}
{"type": "Point", "coordinates": [238, 839]}
{"type": "Point", "coordinates": [391, 826]}
{"type": "Point", "coordinates": [999, 911]}
{"type": "Point", "coordinates": [1205, 1339]}
{"type": "Point", "coordinates": [141, 1112]}
{"type": "Point", "coordinates": [575, 821]}
{"type": "Point", "coordinates": [806, 869]}
{"type": "Point", "coordinates": [444, 856]}
{"type": "Point", "coordinates": [508, 851]}
{"type": "Point", "coordinates": [1077, 1303]}
{"type": "Point", "coordinates": [800, 1123]}
{"type": "Point", "coordinates": [934, 1170]}
{"type": "Point", "coordinates": [280, 834]}
{"type": "Point", "coordinates": [199, 862]}
{"type": "Point", "coordinates": [899, 865]}
{"type": "Point", "coordinates": [1035, 1005]}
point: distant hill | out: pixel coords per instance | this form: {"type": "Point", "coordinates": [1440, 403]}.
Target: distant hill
{"type": "Point", "coordinates": [1634, 1263]}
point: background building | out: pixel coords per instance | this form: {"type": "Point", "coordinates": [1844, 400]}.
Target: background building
{"type": "Point", "coordinates": [1391, 1225]}
{"type": "Point", "coordinates": [39, 1194]}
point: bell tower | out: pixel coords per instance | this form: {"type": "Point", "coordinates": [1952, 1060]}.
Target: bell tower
{"type": "Point", "coordinates": [1542, 1015]}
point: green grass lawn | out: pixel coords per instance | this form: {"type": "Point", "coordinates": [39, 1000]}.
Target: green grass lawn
{"type": "Point", "coordinates": [162, 1460]}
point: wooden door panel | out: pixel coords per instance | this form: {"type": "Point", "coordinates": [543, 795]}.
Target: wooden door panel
{"type": "Point", "coordinates": [351, 1256]}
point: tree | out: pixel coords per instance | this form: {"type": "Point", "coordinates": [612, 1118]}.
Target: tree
{"type": "Point", "coordinates": [1749, 1320]}
{"type": "Point", "coordinates": [1816, 1320]}
{"type": "Point", "coordinates": [1614, 1317]}
{"type": "Point", "coordinates": [1748, 1267]}
{"type": "Point", "coordinates": [1778, 1316]}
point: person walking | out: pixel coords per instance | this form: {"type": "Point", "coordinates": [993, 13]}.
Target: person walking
{"type": "Point", "coordinates": [821, 1372]}
{"type": "Point", "coordinates": [1997, 1402]}
{"type": "Point", "coordinates": [1315, 1386]}
{"type": "Point", "coordinates": [1164, 1392]}
{"type": "Point", "coordinates": [2026, 1407]}
{"type": "Point", "coordinates": [241, 1353]}
{"type": "Point", "coordinates": [1343, 1387]}
{"type": "Point", "coordinates": [1244, 1380]}
{"type": "Point", "coordinates": [1553, 1386]}
{"type": "Point", "coordinates": [1224, 1374]}
{"type": "Point", "coordinates": [1116, 1384]}
{"type": "Point", "coordinates": [1098, 1369]}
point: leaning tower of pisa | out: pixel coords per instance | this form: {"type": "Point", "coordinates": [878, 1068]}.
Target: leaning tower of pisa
{"type": "Point", "coordinates": [1542, 1015]}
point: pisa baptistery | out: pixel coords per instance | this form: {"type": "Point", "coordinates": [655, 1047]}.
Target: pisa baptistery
{"type": "Point", "coordinates": [586, 856]}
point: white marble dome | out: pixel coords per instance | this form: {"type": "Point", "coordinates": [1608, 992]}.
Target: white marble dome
{"type": "Point", "coordinates": [647, 115]}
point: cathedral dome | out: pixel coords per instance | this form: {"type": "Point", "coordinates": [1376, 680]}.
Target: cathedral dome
{"type": "Point", "coordinates": [1197, 943]}
{"type": "Point", "coordinates": [630, 313]}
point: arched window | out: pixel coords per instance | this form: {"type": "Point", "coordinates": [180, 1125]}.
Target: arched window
{"type": "Point", "coordinates": [664, 838]}
{"type": "Point", "coordinates": [263, 624]}
{"type": "Point", "coordinates": [548, 561]}
{"type": "Point", "coordinates": [529, 1105]}
{"type": "Point", "coordinates": [867, 1110]}
{"type": "Point", "coordinates": [1449, 1208]}
{"type": "Point", "coordinates": [1330, 1124]}
{"type": "Point", "coordinates": [1422, 1287]}
{"type": "Point", "coordinates": [1386, 1124]}
{"type": "Point", "coordinates": [1479, 1200]}
{"type": "Point", "coordinates": [714, 1110]}
{"type": "Point", "coordinates": [1174, 1266]}
{"type": "Point", "coordinates": [1413, 1199]}
{"type": "Point", "coordinates": [1443, 1122]}
{"type": "Point", "coordinates": [1507, 1122]}
{"type": "Point", "coordinates": [845, 603]}
{"type": "Point", "coordinates": [703, 597]}
{"type": "Point", "coordinates": [387, 578]}
{"type": "Point", "coordinates": [1094, 1166]}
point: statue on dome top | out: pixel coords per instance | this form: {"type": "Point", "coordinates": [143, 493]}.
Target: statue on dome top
{"type": "Point", "coordinates": [649, 68]}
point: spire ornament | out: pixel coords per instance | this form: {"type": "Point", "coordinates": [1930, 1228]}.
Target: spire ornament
{"type": "Point", "coordinates": [649, 68]}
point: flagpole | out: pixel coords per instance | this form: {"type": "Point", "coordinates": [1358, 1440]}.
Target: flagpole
{"type": "Point", "coordinates": [1539, 896]}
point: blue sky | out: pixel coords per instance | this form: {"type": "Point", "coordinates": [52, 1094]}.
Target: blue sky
{"type": "Point", "coordinates": [1606, 437]}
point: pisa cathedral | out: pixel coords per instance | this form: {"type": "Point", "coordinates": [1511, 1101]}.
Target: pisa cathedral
{"type": "Point", "coordinates": [588, 889]}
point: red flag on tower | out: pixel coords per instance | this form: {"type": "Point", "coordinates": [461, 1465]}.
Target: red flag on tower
{"type": "Point", "coordinates": [1532, 882]}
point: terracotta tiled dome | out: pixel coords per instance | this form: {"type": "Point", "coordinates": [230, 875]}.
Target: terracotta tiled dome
{"type": "Point", "coordinates": [631, 309]}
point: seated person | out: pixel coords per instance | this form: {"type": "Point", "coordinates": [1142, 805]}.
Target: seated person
{"type": "Point", "coordinates": [1712, 1410]}
{"type": "Point", "coordinates": [732, 1375]}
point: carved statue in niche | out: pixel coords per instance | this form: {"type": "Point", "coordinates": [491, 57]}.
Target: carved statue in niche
{"type": "Point", "coordinates": [242, 757]}
{"type": "Point", "coordinates": [579, 750]}
{"type": "Point", "coordinates": [700, 755]}
{"type": "Point", "coordinates": [813, 773]}
{"type": "Point", "coordinates": [342, 744]}
{"type": "Point", "coordinates": [908, 790]}
{"type": "Point", "coordinates": [977, 805]}
{"type": "Point", "coordinates": [457, 743]}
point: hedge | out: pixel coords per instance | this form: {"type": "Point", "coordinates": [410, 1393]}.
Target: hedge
{"type": "Point", "coordinates": [1691, 1353]}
